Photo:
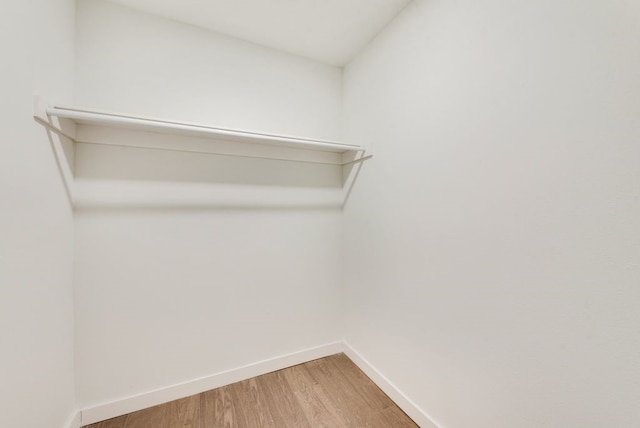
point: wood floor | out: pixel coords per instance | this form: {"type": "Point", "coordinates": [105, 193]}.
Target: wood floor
{"type": "Point", "coordinates": [329, 392]}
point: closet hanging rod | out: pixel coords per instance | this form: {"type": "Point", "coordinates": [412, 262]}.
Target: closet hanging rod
{"type": "Point", "coordinates": [135, 122]}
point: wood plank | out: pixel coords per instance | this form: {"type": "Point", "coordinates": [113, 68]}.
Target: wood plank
{"type": "Point", "coordinates": [183, 413]}
{"type": "Point", "coordinates": [212, 409]}
{"type": "Point", "coordinates": [299, 378]}
{"type": "Point", "coordinates": [317, 407]}
{"type": "Point", "coordinates": [350, 407]}
{"type": "Point", "coordinates": [375, 398]}
{"type": "Point", "coordinates": [247, 405]}
{"type": "Point", "coordinates": [281, 401]}
{"type": "Point", "coordinates": [147, 418]}
{"type": "Point", "coordinates": [228, 408]}
{"type": "Point", "coordinates": [111, 423]}
{"type": "Point", "coordinates": [394, 417]}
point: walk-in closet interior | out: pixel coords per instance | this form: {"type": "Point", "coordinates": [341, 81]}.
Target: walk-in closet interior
{"type": "Point", "coordinates": [438, 199]}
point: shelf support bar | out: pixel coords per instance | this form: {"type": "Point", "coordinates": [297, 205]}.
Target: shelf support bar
{"type": "Point", "coordinates": [362, 159]}
{"type": "Point", "coordinates": [58, 153]}
{"type": "Point", "coordinates": [51, 127]}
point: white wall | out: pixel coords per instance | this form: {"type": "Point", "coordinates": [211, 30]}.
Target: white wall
{"type": "Point", "coordinates": [173, 290]}
{"type": "Point", "coordinates": [132, 62]}
{"type": "Point", "coordinates": [36, 241]}
{"type": "Point", "coordinates": [492, 244]}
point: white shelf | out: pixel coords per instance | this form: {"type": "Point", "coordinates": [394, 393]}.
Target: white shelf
{"type": "Point", "coordinates": [79, 129]}
{"type": "Point", "coordinates": [115, 129]}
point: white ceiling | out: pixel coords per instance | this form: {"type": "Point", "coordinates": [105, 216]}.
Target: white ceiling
{"type": "Point", "coordinates": [330, 31]}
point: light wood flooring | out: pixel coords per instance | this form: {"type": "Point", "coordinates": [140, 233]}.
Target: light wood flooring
{"type": "Point", "coordinates": [329, 392]}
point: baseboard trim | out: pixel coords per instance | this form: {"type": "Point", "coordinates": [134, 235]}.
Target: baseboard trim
{"type": "Point", "coordinates": [418, 415]}
{"type": "Point", "coordinates": [153, 398]}
{"type": "Point", "coordinates": [74, 421]}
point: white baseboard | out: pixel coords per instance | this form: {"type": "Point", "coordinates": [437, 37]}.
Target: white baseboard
{"type": "Point", "coordinates": [419, 416]}
{"type": "Point", "coordinates": [74, 421]}
{"type": "Point", "coordinates": [196, 386]}
{"type": "Point", "coordinates": [152, 398]}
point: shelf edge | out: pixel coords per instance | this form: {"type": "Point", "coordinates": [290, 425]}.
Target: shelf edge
{"type": "Point", "coordinates": [165, 126]}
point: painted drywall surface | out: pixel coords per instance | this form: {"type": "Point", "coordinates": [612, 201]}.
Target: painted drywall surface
{"type": "Point", "coordinates": [133, 62]}
{"type": "Point", "coordinates": [330, 31]}
{"type": "Point", "coordinates": [169, 296]}
{"type": "Point", "coordinates": [187, 281]}
{"type": "Point", "coordinates": [36, 244]}
{"type": "Point", "coordinates": [493, 244]}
